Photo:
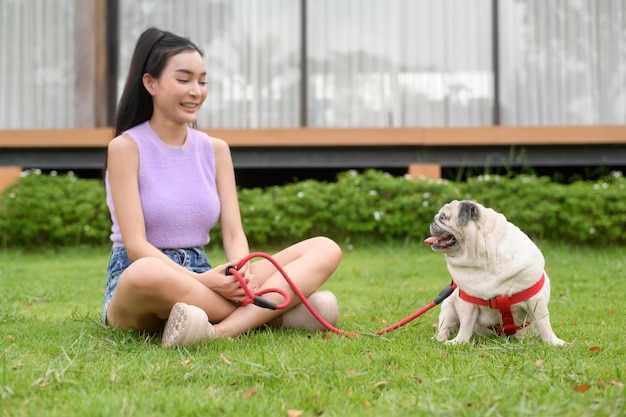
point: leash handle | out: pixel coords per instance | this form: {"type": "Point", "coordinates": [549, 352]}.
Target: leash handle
{"type": "Point", "coordinates": [256, 299]}
{"type": "Point", "coordinates": [291, 284]}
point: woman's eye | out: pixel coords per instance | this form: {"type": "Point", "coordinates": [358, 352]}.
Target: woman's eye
{"type": "Point", "coordinates": [182, 81]}
{"type": "Point", "coordinates": [203, 83]}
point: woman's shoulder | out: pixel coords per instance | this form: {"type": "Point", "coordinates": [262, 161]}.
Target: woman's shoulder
{"type": "Point", "coordinates": [123, 144]}
{"type": "Point", "coordinates": [123, 141]}
{"type": "Point", "coordinates": [122, 153]}
{"type": "Point", "coordinates": [216, 143]}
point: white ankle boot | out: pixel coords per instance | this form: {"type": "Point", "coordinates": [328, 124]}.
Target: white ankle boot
{"type": "Point", "coordinates": [299, 317]}
{"type": "Point", "coordinates": [186, 325]}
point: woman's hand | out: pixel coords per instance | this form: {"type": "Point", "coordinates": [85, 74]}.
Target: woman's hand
{"type": "Point", "coordinates": [228, 286]}
{"type": "Point", "coordinates": [248, 277]}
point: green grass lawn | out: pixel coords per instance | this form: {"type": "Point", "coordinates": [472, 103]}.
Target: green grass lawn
{"type": "Point", "coordinates": [58, 360]}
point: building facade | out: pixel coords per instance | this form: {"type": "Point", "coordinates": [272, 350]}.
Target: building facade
{"type": "Point", "coordinates": [327, 63]}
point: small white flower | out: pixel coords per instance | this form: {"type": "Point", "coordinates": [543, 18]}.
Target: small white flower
{"type": "Point", "coordinates": [70, 173]}
{"type": "Point", "coordinates": [372, 192]}
{"type": "Point", "coordinates": [37, 171]}
{"type": "Point", "coordinates": [377, 215]}
{"type": "Point", "coordinates": [350, 247]}
{"type": "Point", "coordinates": [425, 203]}
{"type": "Point", "coordinates": [300, 194]}
{"type": "Point", "coordinates": [605, 185]}
{"type": "Point", "coordinates": [426, 195]}
{"type": "Point", "coordinates": [592, 230]}
{"type": "Point", "coordinates": [12, 195]}
{"type": "Point", "coordinates": [86, 228]}
{"type": "Point", "coordinates": [277, 218]}
{"type": "Point", "coordinates": [53, 173]}
{"type": "Point", "coordinates": [596, 186]}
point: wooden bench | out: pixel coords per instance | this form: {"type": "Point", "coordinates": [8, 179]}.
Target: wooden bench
{"type": "Point", "coordinates": [422, 151]}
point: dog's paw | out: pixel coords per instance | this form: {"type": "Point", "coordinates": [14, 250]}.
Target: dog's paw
{"type": "Point", "coordinates": [455, 341]}
{"type": "Point", "coordinates": [440, 337]}
{"type": "Point", "coordinates": [556, 342]}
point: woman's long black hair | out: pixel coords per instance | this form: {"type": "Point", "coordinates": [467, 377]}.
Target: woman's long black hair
{"type": "Point", "coordinates": [153, 50]}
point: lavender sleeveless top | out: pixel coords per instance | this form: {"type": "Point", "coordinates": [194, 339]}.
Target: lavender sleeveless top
{"type": "Point", "coordinates": [176, 187]}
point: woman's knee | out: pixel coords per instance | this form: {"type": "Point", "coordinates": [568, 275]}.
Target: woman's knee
{"type": "Point", "coordinates": [328, 250]}
{"type": "Point", "coordinates": [144, 275]}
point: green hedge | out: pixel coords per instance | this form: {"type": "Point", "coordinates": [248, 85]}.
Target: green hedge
{"type": "Point", "coordinates": [63, 210]}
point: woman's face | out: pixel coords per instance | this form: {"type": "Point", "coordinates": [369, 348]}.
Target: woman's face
{"type": "Point", "coordinates": [181, 89]}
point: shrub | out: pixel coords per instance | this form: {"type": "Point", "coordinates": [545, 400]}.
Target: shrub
{"type": "Point", "coordinates": [65, 210]}
{"type": "Point", "coordinates": [53, 210]}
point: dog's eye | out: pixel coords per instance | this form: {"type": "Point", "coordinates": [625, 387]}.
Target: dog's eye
{"type": "Point", "coordinates": [442, 216]}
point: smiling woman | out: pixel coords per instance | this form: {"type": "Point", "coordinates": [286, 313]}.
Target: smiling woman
{"type": "Point", "coordinates": [168, 185]}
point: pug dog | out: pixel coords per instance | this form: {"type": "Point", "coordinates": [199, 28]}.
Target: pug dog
{"type": "Point", "coordinates": [490, 259]}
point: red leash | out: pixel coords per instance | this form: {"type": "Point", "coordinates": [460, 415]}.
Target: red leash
{"type": "Point", "coordinates": [258, 300]}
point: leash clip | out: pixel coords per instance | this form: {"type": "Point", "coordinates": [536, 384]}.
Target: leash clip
{"type": "Point", "coordinates": [445, 293]}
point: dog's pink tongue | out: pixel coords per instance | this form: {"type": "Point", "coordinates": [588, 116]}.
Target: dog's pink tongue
{"type": "Point", "coordinates": [429, 241]}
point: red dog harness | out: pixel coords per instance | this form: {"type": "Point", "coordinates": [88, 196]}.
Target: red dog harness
{"type": "Point", "coordinates": [503, 303]}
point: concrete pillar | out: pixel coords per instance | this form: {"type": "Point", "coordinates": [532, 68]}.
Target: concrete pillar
{"type": "Point", "coordinates": [425, 171]}
{"type": "Point", "coordinates": [8, 175]}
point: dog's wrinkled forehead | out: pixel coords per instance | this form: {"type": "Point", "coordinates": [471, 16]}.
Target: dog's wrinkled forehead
{"type": "Point", "coordinates": [467, 211]}
{"type": "Point", "coordinates": [463, 211]}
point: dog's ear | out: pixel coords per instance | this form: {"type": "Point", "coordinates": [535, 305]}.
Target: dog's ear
{"type": "Point", "coordinates": [467, 211]}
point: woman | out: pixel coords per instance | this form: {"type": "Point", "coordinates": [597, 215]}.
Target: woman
{"type": "Point", "coordinates": [167, 186]}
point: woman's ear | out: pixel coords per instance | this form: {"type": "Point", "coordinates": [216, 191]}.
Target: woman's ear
{"type": "Point", "coordinates": [148, 82]}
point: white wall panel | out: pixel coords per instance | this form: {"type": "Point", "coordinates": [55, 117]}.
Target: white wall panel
{"type": "Point", "coordinates": [370, 63]}
{"type": "Point", "coordinates": [563, 62]}
{"type": "Point", "coordinates": [252, 55]}
{"type": "Point", "coordinates": [37, 76]}
{"type": "Point", "coordinates": [380, 63]}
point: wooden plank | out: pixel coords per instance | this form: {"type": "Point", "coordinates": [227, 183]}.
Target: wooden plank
{"type": "Point", "coordinates": [84, 62]}
{"type": "Point", "coordinates": [470, 136]}
{"type": "Point", "coordinates": [320, 137]}
{"type": "Point", "coordinates": [90, 96]}
{"type": "Point", "coordinates": [56, 138]}
{"type": "Point", "coordinates": [102, 83]}
{"type": "Point", "coordinates": [545, 135]}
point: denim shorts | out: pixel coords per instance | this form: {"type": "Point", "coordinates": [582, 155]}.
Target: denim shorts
{"type": "Point", "coordinates": [193, 259]}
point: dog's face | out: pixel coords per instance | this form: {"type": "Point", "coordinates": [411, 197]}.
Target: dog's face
{"type": "Point", "coordinates": [449, 228]}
